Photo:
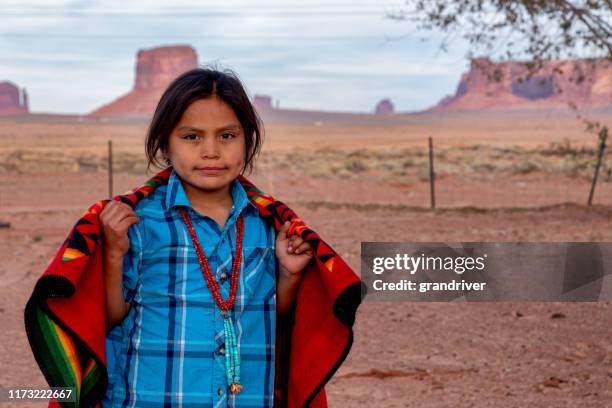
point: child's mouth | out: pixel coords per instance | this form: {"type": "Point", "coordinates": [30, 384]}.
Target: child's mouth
{"type": "Point", "coordinates": [211, 171]}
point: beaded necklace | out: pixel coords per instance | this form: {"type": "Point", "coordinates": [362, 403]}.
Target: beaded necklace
{"type": "Point", "coordinates": [232, 359]}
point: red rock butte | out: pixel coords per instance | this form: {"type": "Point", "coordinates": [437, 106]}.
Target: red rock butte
{"type": "Point", "coordinates": [506, 84]}
{"type": "Point", "coordinates": [262, 102]}
{"type": "Point", "coordinates": [156, 68]}
{"type": "Point", "coordinates": [13, 101]}
{"type": "Point", "coordinates": [384, 107]}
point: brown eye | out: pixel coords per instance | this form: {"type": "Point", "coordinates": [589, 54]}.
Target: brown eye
{"type": "Point", "coordinates": [227, 136]}
{"type": "Point", "coordinates": [191, 136]}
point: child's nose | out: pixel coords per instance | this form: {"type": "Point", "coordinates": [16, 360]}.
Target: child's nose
{"type": "Point", "coordinates": [210, 148]}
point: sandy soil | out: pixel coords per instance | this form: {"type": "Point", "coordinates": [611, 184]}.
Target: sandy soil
{"type": "Point", "coordinates": [404, 354]}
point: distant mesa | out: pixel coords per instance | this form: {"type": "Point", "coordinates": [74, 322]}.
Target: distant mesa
{"type": "Point", "coordinates": [13, 101]}
{"type": "Point", "coordinates": [156, 68]}
{"type": "Point", "coordinates": [384, 107]}
{"type": "Point", "coordinates": [505, 84]}
{"type": "Point", "coordinates": [262, 102]}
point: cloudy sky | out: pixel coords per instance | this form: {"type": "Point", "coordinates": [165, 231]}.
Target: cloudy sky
{"type": "Point", "coordinates": [335, 55]}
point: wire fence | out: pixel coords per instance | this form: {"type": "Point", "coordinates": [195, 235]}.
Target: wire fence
{"type": "Point", "coordinates": [480, 176]}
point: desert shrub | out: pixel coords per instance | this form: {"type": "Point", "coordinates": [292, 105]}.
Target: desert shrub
{"type": "Point", "coordinates": [355, 165]}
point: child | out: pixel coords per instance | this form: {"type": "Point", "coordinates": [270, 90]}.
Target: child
{"type": "Point", "coordinates": [194, 277]}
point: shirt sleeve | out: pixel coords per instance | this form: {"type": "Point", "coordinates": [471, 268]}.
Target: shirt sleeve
{"type": "Point", "coordinates": [132, 262]}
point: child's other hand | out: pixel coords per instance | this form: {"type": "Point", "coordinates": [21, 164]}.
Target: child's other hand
{"type": "Point", "coordinates": [115, 219]}
{"type": "Point", "coordinates": [293, 252]}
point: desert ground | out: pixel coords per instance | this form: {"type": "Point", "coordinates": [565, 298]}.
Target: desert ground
{"type": "Point", "coordinates": [500, 176]}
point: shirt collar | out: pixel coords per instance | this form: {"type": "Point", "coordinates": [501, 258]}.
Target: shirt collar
{"type": "Point", "coordinates": [176, 196]}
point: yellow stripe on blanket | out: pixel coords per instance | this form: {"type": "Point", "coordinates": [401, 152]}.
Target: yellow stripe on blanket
{"type": "Point", "coordinates": [71, 354]}
{"type": "Point", "coordinates": [70, 254]}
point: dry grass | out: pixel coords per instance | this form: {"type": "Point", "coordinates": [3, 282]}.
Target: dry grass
{"type": "Point", "coordinates": [481, 146]}
{"type": "Point", "coordinates": [410, 163]}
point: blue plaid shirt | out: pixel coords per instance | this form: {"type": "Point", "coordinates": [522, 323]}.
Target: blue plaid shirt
{"type": "Point", "coordinates": [169, 349]}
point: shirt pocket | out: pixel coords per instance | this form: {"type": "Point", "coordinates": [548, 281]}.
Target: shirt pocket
{"type": "Point", "coordinates": [259, 271]}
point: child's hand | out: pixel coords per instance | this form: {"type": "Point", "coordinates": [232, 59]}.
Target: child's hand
{"type": "Point", "coordinates": [293, 252]}
{"type": "Point", "coordinates": [115, 219]}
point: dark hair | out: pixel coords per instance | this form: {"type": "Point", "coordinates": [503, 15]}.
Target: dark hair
{"type": "Point", "coordinates": [202, 83]}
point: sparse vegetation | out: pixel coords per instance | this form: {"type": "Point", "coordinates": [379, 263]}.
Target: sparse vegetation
{"type": "Point", "coordinates": [474, 161]}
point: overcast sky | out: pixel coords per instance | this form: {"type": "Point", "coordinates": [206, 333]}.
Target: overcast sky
{"type": "Point", "coordinates": [336, 55]}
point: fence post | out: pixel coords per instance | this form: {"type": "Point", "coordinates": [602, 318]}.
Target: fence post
{"type": "Point", "coordinates": [110, 169]}
{"type": "Point", "coordinates": [602, 147]}
{"type": "Point", "coordinates": [5, 224]}
{"type": "Point", "coordinates": [431, 175]}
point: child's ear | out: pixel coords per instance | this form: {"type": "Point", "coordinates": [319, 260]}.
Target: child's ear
{"type": "Point", "coordinates": [165, 157]}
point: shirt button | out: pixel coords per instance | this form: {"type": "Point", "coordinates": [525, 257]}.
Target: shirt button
{"type": "Point", "coordinates": [219, 391]}
{"type": "Point", "coordinates": [222, 350]}
{"type": "Point", "coordinates": [223, 277]}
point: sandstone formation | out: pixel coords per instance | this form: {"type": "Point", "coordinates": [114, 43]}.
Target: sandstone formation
{"type": "Point", "coordinates": [155, 70]}
{"type": "Point", "coordinates": [488, 85]}
{"type": "Point", "coordinates": [384, 107]}
{"type": "Point", "coordinates": [13, 101]}
{"type": "Point", "coordinates": [262, 102]}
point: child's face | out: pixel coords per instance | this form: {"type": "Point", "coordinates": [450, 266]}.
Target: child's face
{"type": "Point", "coordinates": [207, 146]}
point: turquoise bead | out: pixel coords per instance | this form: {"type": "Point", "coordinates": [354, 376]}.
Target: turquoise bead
{"type": "Point", "coordinates": [232, 359]}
